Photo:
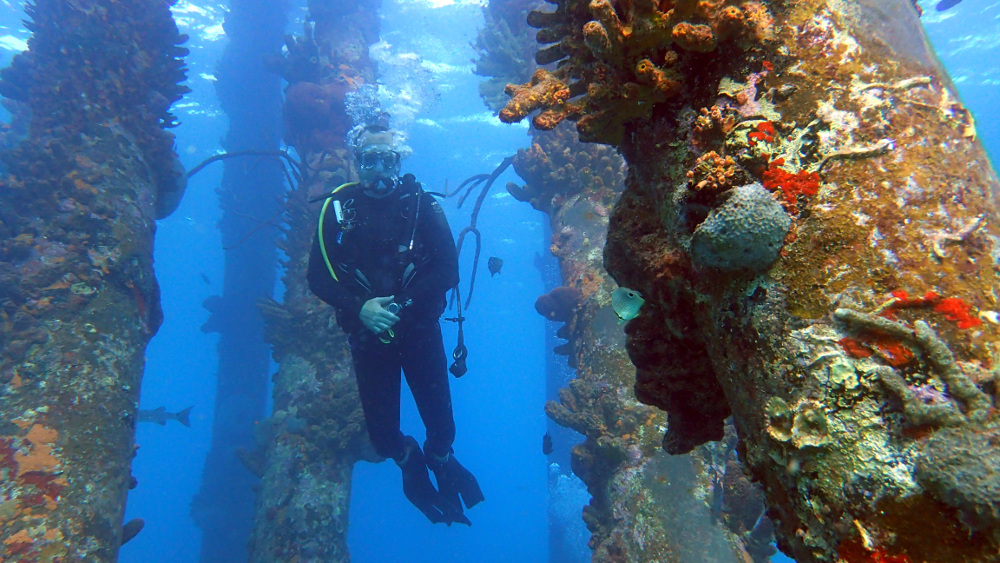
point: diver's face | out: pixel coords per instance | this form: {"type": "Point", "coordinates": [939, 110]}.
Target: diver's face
{"type": "Point", "coordinates": [378, 167]}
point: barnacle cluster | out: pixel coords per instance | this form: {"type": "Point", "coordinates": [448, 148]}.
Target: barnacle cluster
{"type": "Point", "coordinates": [622, 59]}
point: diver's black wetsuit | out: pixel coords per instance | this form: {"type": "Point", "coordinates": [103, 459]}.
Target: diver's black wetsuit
{"type": "Point", "coordinates": [369, 253]}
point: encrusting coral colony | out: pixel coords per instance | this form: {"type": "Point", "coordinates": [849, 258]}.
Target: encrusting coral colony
{"type": "Point", "coordinates": [796, 171]}
{"type": "Point", "coordinates": [92, 169]}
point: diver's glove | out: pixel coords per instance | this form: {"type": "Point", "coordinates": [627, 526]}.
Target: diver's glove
{"type": "Point", "coordinates": [375, 316]}
{"type": "Point", "coordinates": [420, 491]}
{"type": "Point", "coordinates": [454, 480]}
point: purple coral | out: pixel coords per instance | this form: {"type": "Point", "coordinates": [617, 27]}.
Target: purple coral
{"type": "Point", "coordinates": [929, 395]}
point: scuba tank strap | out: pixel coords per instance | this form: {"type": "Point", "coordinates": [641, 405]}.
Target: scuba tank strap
{"type": "Point", "coordinates": [410, 184]}
{"type": "Point", "coordinates": [322, 220]}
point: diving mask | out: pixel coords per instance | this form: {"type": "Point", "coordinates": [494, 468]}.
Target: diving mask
{"type": "Point", "coordinates": [378, 167]}
{"type": "Point", "coordinates": [379, 155]}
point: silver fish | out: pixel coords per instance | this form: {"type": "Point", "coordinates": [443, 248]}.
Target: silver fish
{"type": "Point", "coordinates": [626, 303]}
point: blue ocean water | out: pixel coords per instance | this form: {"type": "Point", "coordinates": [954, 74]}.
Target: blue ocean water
{"type": "Point", "coordinates": [498, 405]}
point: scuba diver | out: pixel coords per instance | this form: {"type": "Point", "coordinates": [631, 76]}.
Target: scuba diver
{"type": "Point", "coordinates": [384, 258]}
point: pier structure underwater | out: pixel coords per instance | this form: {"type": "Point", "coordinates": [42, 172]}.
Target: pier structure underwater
{"type": "Point", "coordinates": [89, 167]}
{"type": "Point", "coordinates": [812, 224]}
{"type": "Point", "coordinates": [792, 190]}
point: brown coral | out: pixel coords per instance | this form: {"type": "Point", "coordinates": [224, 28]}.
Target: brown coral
{"type": "Point", "coordinates": [712, 125]}
{"type": "Point", "coordinates": [559, 304]}
{"type": "Point", "coordinates": [556, 167]}
{"type": "Point", "coordinates": [617, 58]}
{"type": "Point", "coordinates": [663, 81]}
{"type": "Point", "coordinates": [544, 91]}
{"type": "Point", "coordinates": [699, 38]}
{"type": "Point", "coordinates": [315, 119]}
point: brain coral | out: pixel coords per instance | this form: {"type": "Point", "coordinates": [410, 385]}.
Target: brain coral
{"type": "Point", "coordinates": [744, 233]}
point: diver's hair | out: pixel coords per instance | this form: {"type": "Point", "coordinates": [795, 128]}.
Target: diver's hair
{"type": "Point", "coordinates": [357, 134]}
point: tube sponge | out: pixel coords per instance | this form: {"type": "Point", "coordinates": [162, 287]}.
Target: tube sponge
{"type": "Point", "coordinates": [746, 232]}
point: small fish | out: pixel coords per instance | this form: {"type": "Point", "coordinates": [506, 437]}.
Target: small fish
{"type": "Point", "coordinates": [946, 4]}
{"type": "Point", "coordinates": [626, 303]}
{"type": "Point", "coordinates": [204, 278]}
{"type": "Point", "coordinates": [539, 262]}
{"type": "Point", "coordinates": [161, 416]}
{"type": "Point", "coordinates": [546, 444]}
{"type": "Point", "coordinates": [494, 264]}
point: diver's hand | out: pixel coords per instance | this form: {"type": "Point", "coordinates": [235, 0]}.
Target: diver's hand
{"type": "Point", "coordinates": [374, 316]}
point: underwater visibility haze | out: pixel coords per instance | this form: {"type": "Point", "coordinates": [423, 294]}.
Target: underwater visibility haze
{"type": "Point", "coordinates": [728, 280]}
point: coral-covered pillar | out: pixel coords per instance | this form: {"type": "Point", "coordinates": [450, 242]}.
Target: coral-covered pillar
{"type": "Point", "coordinates": [310, 444]}
{"type": "Point", "coordinates": [814, 227]}
{"type": "Point", "coordinates": [250, 197]}
{"type": "Point", "coordinates": [637, 494]}
{"type": "Point", "coordinates": [78, 298]}
{"type": "Point", "coordinates": [644, 507]}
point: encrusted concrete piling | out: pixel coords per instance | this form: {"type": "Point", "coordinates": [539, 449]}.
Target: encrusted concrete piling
{"type": "Point", "coordinates": [858, 357]}
{"type": "Point", "coordinates": [308, 447]}
{"type": "Point", "coordinates": [636, 492]}
{"type": "Point", "coordinates": [88, 169]}
{"type": "Point", "coordinates": [250, 191]}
